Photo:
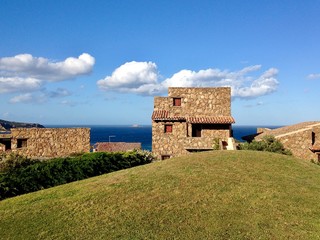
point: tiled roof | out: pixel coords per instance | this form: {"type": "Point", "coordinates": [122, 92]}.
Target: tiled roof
{"type": "Point", "coordinates": [159, 115]}
{"type": "Point", "coordinates": [212, 120]}
{"type": "Point", "coordinates": [164, 115]}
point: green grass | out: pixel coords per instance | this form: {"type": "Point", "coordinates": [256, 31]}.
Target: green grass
{"type": "Point", "coordinates": [212, 195]}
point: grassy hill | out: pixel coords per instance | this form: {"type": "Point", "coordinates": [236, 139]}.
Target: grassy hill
{"type": "Point", "coordinates": [212, 195]}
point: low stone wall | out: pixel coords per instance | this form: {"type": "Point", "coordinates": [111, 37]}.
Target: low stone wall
{"type": "Point", "coordinates": [116, 146]}
{"type": "Point", "coordinates": [300, 142]}
{"type": "Point", "coordinates": [50, 142]}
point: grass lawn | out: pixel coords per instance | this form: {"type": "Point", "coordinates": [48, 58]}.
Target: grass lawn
{"type": "Point", "coordinates": [211, 195]}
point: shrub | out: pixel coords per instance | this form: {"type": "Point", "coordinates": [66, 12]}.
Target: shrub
{"type": "Point", "coordinates": [268, 143]}
{"type": "Point", "coordinates": [216, 144]}
{"type": "Point", "coordinates": [20, 175]}
{"type": "Point", "coordinates": [14, 161]}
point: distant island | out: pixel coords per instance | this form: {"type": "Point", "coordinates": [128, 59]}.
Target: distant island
{"type": "Point", "coordinates": [7, 125]}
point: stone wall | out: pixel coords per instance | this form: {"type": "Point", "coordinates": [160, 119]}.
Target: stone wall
{"type": "Point", "coordinates": [196, 102]}
{"type": "Point", "coordinates": [115, 146]}
{"type": "Point", "coordinates": [50, 142]}
{"type": "Point", "coordinates": [299, 142]}
{"type": "Point", "coordinates": [299, 138]}
{"type": "Point", "coordinates": [179, 142]}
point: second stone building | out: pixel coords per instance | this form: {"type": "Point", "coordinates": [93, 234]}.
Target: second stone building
{"type": "Point", "coordinates": [192, 119]}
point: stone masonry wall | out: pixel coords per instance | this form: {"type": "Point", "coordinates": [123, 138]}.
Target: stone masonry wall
{"type": "Point", "coordinates": [300, 142]}
{"type": "Point", "coordinates": [178, 142]}
{"type": "Point", "coordinates": [116, 146]}
{"type": "Point", "coordinates": [196, 102]}
{"type": "Point", "coordinates": [50, 142]}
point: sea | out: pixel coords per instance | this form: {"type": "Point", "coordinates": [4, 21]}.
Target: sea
{"type": "Point", "coordinates": [142, 133]}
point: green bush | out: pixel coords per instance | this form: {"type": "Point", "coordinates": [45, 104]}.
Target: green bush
{"type": "Point", "coordinates": [216, 144]}
{"type": "Point", "coordinates": [20, 175]}
{"type": "Point", "coordinates": [14, 161]}
{"type": "Point", "coordinates": [268, 143]}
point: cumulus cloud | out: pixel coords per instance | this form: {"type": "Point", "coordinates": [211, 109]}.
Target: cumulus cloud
{"type": "Point", "coordinates": [15, 84]}
{"type": "Point", "coordinates": [138, 77]}
{"type": "Point", "coordinates": [24, 72]}
{"type": "Point", "coordinates": [265, 84]}
{"type": "Point", "coordinates": [314, 76]}
{"type": "Point", "coordinates": [45, 69]}
{"type": "Point", "coordinates": [143, 78]}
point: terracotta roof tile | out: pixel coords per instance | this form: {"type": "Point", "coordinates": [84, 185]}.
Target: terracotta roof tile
{"type": "Point", "coordinates": [159, 115]}
{"type": "Point", "coordinates": [164, 115]}
{"type": "Point", "coordinates": [212, 120]}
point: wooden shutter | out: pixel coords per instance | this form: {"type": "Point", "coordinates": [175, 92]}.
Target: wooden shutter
{"type": "Point", "coordinates": [168, 128]}
{"type": "Point", "coordinates": [177, 102]}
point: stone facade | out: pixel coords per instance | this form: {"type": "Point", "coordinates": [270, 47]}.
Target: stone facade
{"type": "Point", "coordinates": [2, 147]}
{"type": "Point", "coordinates": [302, 139]}
{"type": "Point", "coordinates": [190, 119]}
{"type": "Point", "coordinates": [115, 146]}
{"type": "Point", "coordinates": [49, 142]}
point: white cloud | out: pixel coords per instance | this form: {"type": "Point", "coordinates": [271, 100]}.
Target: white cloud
{"type": "Point", "coordinates": [45, 69]}
{"type": "Point", "coordinates": [265, 84]}
{"type": "Point", "coordinates": [25, 73]}
{"type": "Point", "coordinates": [23, 98]}
{"type": "Point", "coordinates": [314, 76]}
{"type": "Point", "coordinates": [137, 77]}
{"type": "Point", "coordinates": [15, 84]}
{"type": "Point", "coordinates": [143, 78]}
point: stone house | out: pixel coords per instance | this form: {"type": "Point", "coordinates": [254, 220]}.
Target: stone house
{"type": "Point", "coordinates": [302, 139]}
{"type": "Point", "coordinates": [115, 146]}
{"type": "Point", "coordinates": [46, 142]}
{"type": "Point", "coordinates": [192, 120]}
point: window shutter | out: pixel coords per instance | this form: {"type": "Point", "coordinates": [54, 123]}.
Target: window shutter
{"type": "Point", "coordinates": [177, 102]}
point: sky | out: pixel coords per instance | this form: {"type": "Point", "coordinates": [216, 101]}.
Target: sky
{"type": "Point", "coordinates": [102, 62]}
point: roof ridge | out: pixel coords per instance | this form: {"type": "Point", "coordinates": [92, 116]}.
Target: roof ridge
{"type": "Point", "coordinates": [297, 131]}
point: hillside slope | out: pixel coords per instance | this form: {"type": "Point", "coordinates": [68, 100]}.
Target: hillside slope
{"type": "Point", "coordinates": [212, 195]}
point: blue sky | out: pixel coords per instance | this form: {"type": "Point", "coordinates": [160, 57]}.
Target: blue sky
{"type": "Point", "coordinates": [101, 62]}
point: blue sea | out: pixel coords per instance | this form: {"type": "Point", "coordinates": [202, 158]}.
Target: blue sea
{"type": "Point", "coordinates": [142, 134]}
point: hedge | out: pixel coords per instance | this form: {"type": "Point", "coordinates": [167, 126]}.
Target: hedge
{"type": "Point", "coordinates": [19, 177]}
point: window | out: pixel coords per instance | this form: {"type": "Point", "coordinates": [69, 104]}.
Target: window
{"type": "Point", "coordinates": [168, 128]}
{"type": "Point", "coordinates": [164, 157]}
{"type": "Point", "coordinates": [196, 130]}
{"type": "Point", "coordinates": [313, 138]}
{"type": "Point", "coordinates": [177, 102]}
{"type": "Point", "coordinates": [21, 143]}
